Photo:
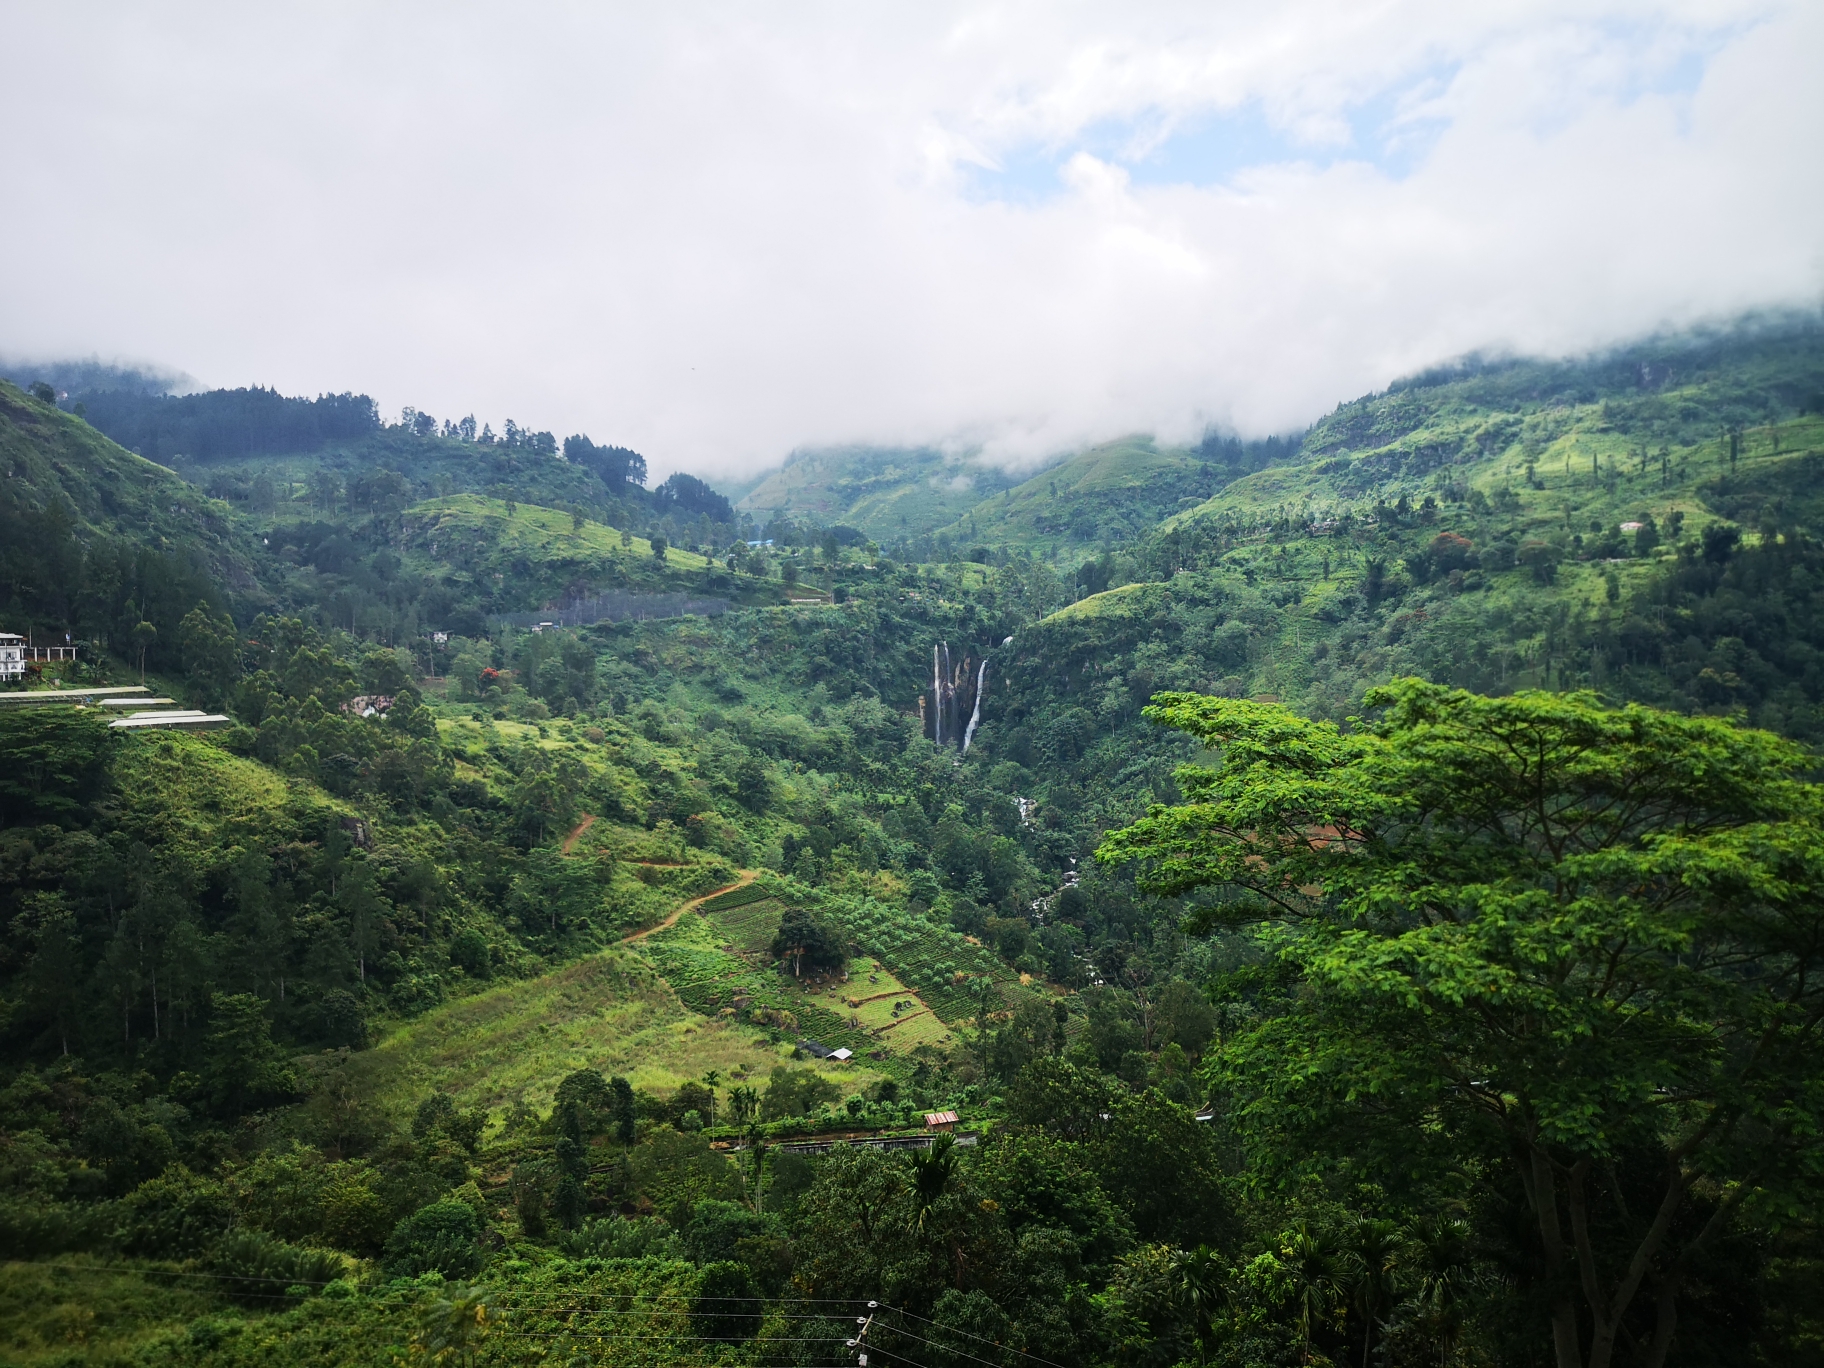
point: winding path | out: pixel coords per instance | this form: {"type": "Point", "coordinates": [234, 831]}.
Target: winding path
{"type": "Point", "coordinates": [747, 877]}
{"type": "Point", "coordinates": [575, 836]}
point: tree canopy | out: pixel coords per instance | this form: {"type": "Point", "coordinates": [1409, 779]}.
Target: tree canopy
{"type": "Point", "coordinates": [1558, 946]}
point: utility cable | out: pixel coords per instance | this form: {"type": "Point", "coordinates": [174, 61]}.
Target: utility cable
{"type": "Point", "coordinates": [899, 1310]}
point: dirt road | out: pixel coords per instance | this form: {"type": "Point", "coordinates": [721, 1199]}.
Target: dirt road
{"type": "Point", "coordinates": [747, 877]}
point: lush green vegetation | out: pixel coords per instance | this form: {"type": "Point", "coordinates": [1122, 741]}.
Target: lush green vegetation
{"type": "Point", "coordinates": [468, 999]}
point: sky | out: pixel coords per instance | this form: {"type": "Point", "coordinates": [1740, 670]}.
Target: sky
{"type": "Point", "coordinates": [721, 232]}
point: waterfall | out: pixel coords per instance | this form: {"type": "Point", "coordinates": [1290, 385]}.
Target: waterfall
{"type": "Point", "coordinates": [937, 699]}
{"type": "Point", "coordinates": [975, 715]}
{"type": "Point", "coordinates": [946, 697]}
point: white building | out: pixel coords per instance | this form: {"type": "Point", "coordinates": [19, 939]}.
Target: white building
{"type": "Point", "coordinates": [15, 653]}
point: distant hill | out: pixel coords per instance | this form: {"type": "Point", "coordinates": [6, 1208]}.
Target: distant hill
{"type": "Point", "coordinates": [226, 424]}
{"type": "Point", "coordinates": [1648, 523]}
{"type": "Point", "coordinates": [887, 493]}
{"type": "Point", "coordinates": [75, 378]}
{"type": "Point", "coordinates": [508, 556]}
{"type": "Point", "coordinates": [97, 539]}
{"type": "Point", "coordinates": [1589, 432]}
{"type": "Point", "coordinates": [1110, 494]}
{"type": "Point", "coordinates": [260, 450]}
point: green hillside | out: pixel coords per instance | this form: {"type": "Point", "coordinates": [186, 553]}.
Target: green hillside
{"type": "Point", "coordinates": [888, 495]}
{"type": "Point", "coordinates": [1467, 529]}
{"type": "Point", "coordinates": [520, 987]}
{"type": "Point", "coordinates": [1109, 495]}
{"type": "Point", "coordinates": [96, 538]}
{"type": "Point", "coordinates": [521, 556]}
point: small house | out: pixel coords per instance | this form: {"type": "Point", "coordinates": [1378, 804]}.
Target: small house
{"type": "Point", "coordinates": [941, 1121]}
{"type": "Point", "coordinates": [16, 654]}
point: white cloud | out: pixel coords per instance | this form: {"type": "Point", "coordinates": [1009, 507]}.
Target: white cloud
{"type": "Point", "coordinates": [717, 238]}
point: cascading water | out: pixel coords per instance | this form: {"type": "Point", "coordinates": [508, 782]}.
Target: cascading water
{"type": "Point", "coordinates": [937, 695]}
{"type": "Point", "coordinates": [951, 709]}
{"type": "Point", "coordinates": [975, 715]}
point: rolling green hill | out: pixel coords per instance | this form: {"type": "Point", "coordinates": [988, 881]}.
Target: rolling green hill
{"type": "Point", "coordinates": [521, 556]}
{"type": "Point", "coordinates": [1467, 527]}
{"type": "Point", "coordinates": [347, 1009]}
{"type": "Point", "coordinates": [97, 539]}
{"type": "Point", "coordinates": [1109, 495]}
{"type": "Point", "coordinates": [889, 494]}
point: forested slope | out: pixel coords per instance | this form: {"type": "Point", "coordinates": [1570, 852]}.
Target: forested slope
{"type": "Point", "coordinates": [435, 1029]}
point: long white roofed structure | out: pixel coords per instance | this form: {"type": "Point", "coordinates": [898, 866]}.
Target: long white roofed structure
{"type": "Point", "coordinates": [28, 697]}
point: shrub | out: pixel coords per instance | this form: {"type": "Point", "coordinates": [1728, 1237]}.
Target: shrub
{"type": "Point", "coordinates": [614, 1237]}
{"type": "Point", "coordinates": [469, 952]}
{"type": "Point", "coordinates": [31, 1229]}
{"type": "Point", "coordinates": [175, 1215]}
{"type": "Point", "coordinates": [261, 1271]}
{"type": "Point", "coordinates": [437, 1114]}
{"type": "Point", "coordinates": [439, 1238]}
{"type": "Point", "coordinates": [725, 1302]}
{"type": "Point", "coordinates": [532, 1183]}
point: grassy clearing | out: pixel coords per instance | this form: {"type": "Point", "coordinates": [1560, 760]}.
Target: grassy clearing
{"type": "Point", "coordinates": [77, 1310]}
{"type": "Point", "coordinates": [716, 977]}
{"type": "Point", "coordinates": [940, 965]}
{"type": "Point", "coordinates": [862, 1004]}
{"type": "Point", "coordinates": [183, 791]}
{"type": "Point", "coordinates": [611, 1012]}
{"type": "Point", "coordinates": [881, 1004]}
{"type": "Point", "coordinates": [530, 529]}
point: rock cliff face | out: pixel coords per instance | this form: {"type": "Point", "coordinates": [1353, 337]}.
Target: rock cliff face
{"type": "Point", "coordinates": [951, 708]}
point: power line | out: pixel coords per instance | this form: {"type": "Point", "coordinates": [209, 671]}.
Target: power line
{"type": "Point", "coordinates": [677, 1304]}
{"type": "Point", "coordinates": [770, 1301]}
{"type": "Point", "coordinates": [967, 1335]}
{"type": "Point", "coordinates": [177, 1273]}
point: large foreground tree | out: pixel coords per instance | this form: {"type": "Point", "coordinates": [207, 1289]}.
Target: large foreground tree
{"type": "Point", "coordinates": [1579, 944]}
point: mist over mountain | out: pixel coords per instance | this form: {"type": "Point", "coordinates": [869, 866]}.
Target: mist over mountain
{"type": "Point", "coordinates": [974, 686]}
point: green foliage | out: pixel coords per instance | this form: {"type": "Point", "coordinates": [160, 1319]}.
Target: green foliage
{"type": "Point", "coordinates": [1577, 939]}
{"type": "Point", "coordinates": [264, 1272]}
{"type": "Point", "coordinates": [795, 1092]}
{"type": "Point", "coordinates": [438, 1114]}
{"type": "Point", "coordinates": [53, 762]}
{"type": "Point", "coordinates": [614, 1237]}
{"type": "Point", "coordinates": [809, 941]}
{"type": "Point", "coordinates": [437, 1238]}
{"type": "Point", "coordinates": [244, 1069]}
{"type": "Point", "coordinates": [176, 1215]}
{"type": "Point", "coordinates": [267, 990]}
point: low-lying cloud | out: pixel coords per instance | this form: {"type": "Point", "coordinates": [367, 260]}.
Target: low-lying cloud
{"type": "Point", "coordinates": [1017, 228]}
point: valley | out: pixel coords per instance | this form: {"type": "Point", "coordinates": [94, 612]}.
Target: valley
{"type": "Point", "coordinates": [485, 953]}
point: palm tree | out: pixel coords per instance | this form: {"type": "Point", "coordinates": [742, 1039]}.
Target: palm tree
{"type": "Point", "coordinates": [1373, 1264]}
{"type": "Point", "coordinates": [1313, 1273]}
{"type": "Point", "coordinates": [756, 1146]}
{"type": "Point", "coordinates": [743, 1104]}
{"type": "Point", "coordinates": [451, 1330]}
{"type": "Point", "coordinates": [931, 1173]}
{"type": "Point", "coordinates": [1202, 1279]}
{"type": "Point", "coordinates": [712, 1080]}
{"type": "Point", "coordinates": [1440, 1273]}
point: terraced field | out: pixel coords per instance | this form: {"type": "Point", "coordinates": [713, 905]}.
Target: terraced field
{"type": "Point", "coordinates": [887, 1009]}
{"type": "Point", "coordinates": [718, 962]}
{"type": "Point", "coordinates": [939, 964]}
{"type": "Point", "coordinates": [512, 1043]}
{"type": "Point", "coordinates": [748, 918]}
{"type": "Point", "coordinates": [711, 974]}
